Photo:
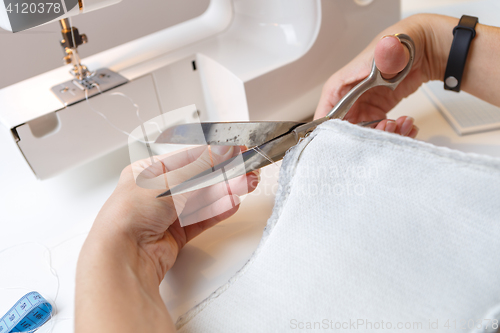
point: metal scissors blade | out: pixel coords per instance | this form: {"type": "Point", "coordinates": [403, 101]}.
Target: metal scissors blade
{"type": "Point", "coordinates": [248, 161]}
{"type": "Point", "coordinates": [277, 140]}
{"type": "Point", "coordinates": [248, 134]}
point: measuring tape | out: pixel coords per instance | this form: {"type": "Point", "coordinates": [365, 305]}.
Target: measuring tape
{"type": "Point", "coordinates": [27, 315]}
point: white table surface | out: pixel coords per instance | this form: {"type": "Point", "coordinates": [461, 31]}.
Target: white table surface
{"type": "Point", "coordinates": [57, 213]}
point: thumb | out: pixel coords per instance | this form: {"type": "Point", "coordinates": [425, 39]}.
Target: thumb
{"type": "Point", "coordinates": [157, 175]}
{"type": "Point", "coordinates": [391, 56]}
{"type": "Point", "coordinates": [212, 156]}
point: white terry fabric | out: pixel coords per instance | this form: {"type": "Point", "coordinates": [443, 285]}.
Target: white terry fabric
{"type": "Point", "coordinates": [415, 241]}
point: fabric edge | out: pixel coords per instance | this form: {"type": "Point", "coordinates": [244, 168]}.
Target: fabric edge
{"type": "Point", "coordinates": [365, 133]}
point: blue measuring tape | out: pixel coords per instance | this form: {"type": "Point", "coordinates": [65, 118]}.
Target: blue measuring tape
{"type": "Point", "coordinates": [27, 315]}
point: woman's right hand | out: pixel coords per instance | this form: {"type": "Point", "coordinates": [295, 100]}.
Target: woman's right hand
{"type": "Point", "coordinates": [390, 57]}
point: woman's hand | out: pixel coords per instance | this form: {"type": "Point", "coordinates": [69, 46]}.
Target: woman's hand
{"type": "Point", "coordinates": [136, 237]}
{"type": "Point", "coordinates": [391, 56]}
{"type": "Point", "coordinates": [154, 223]}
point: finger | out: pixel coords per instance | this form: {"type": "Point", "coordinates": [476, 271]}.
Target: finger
{"type": "Point", "coordinates": [207, 160]}
{"type": "Point", "coordinates": [390, 126]}
{"type": "Point", "coordinates": [175, 160]}
{"type": "Point", "coordinates": [160, 176]}
{"type": "Point", "coordinates": [400, 122]}
{"type": "Point", "coordinates": [193, 230]}
{"type": "Point", "coordinates": [179, 158]}
{"type": "Point", "coordinates": [381, 125]}
{"type": "Point", "coordinates": [413, 132]}
{"type": "Point", "coordinates": [169, 161]}
{"type": "Point", "coordinates": [387, 125]}
{"type": "Point", "coordinates": [172, 160]}
{"type": "Point", "coordinates": [391, 56]}
{"type": "Point", "coordinates": [217, 211]}
{"type": "Point", "coordinates": [405, 125]}
{"type": "Point", "coordinates": [206, 196]}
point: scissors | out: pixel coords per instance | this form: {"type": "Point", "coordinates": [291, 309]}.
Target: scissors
{"type": "Point", "coordinates": [269, 140]}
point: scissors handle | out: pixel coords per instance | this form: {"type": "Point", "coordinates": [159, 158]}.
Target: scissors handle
{"type": "Point", "coordinates": [373, 80]}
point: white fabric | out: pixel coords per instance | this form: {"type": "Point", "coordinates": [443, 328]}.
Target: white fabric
{"type": "Point", "coordinates": [415, 241]}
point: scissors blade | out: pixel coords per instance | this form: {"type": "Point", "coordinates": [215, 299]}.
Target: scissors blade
{"type": "Point", "coordinates": [248, 161]}
{"type": "Point", "coordinates": [248, 134]}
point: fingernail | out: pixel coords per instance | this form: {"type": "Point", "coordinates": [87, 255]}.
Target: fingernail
{"type": "Point", "coordinates": [415, 130]}
{"type": "Point", "coordinates": [390, 126]}
{"type": "Point", "coordinates": [407, 125]}
{"type": "Point", "coordinates": [257, 173]}
{"type": "Point", "coordinates": [390, 36]}
{"type": "Point", "coordinates": [236, 199]}
{"type": "Point", "coordinates": [219, 149]}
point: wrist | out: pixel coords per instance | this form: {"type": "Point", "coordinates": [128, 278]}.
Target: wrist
{"type": "Point", "coordinates": [113, 252]}
{"type": "Point", "coordinates": [114, 280]}
{"type": "Point", "coordinates": [438, 31]}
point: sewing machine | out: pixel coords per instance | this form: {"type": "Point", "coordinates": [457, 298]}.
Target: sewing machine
{"type": "Point", "coordinates": [239, 60]}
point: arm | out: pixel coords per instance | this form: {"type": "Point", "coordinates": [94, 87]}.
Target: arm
{"type": "Point", "coordinates": [136, 237]}
{"type": "Point", "coordinates": [117, 288]}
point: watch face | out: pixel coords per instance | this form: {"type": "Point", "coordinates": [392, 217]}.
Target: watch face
{"type": "Point", "coordinates": [27, 14]}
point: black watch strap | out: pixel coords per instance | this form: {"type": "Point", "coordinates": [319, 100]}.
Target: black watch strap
{"type": "Point", "coordinates": [463, 34]}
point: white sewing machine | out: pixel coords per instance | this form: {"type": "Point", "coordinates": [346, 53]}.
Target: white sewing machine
{"type": "Point", "coordinates": [239, 60]}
